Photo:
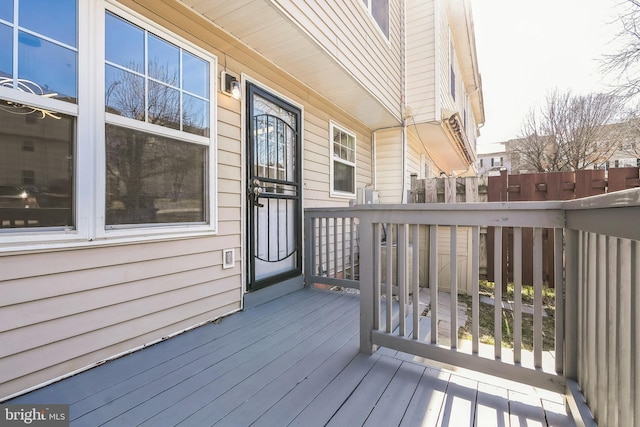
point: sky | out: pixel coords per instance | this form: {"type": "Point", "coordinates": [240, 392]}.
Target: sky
{"type": "Point", "coordinates": [526, 49]}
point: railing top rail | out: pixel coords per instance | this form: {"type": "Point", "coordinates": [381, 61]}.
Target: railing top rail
{"type": "Point", "coordinates": [611, 200]}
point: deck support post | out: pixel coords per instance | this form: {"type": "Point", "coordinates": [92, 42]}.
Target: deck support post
{"type": "Point", "coordinates": [366, 284]}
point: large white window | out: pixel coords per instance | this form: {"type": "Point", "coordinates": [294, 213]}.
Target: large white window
{"type": "Point", "coordinates": [343, 164]}
{"type": "Point", "coordinates": [379, 10]}
{"type": "Point", "coordinates": [138, 159]}
{"type": "Point", "coordinates": [38, 113]}
{"type": "Point", "coordinates": [157, 131]}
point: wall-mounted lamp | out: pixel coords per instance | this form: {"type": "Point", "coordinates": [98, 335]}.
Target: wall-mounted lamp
{"type": "Point", "coordinates": [230, 85]}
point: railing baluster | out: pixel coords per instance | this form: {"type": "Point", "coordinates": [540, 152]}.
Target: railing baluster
{"type": "Point", "coordinates": [389, 278]}
{"type": "Point", "coordinates": [402, 277]}
{"type": "Point", "coordinates": [415, 284]}
{"type": "Point", "coordinates": [592, 309]}
{"type": "Point", "coordinates": [475, 284]}
{"type": "Point", "coordinates": [377, 276]}
{"type": "Point", "coordinates": [335, 247]}
{"type": "Point", "coordinates": [635, 327]}
{"type": "Point", "coordinates": [612, 300]}
{"type": "Point", "coordinates": [433, 280]}
{"type": "Point", "coordinates": [320, 271]}
{"type": "Point", "coordinates": [517, 294]}
{"type": "Point", "coordinates": [559, 299]}
{"type": "Point", "coordinates": [311, 259]}
{"type": "Point", "coordinates": [537, 297]}
{"type": "Point", "coordinates": [599, 405]}
{"type": "Point", "coordinates": [571, 309]}
{"type": "Point", "coordinates": [352, 261]}
{"type": "Point", "coordinates": [453, 286]}
{"type": "Point", "coordinates": [625, 367]}
{"type": "Point", "coordinates": [328, 246]}
{"type": "Point", "coordinates": [579, 327]}
{"type": "Point", "coordinates": [497, 313]}
{"type": "Point", "coordinates": [343, 241]}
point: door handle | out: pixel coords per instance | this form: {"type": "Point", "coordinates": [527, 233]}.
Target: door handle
{"type": "Point", "coordinates": [254, 191]}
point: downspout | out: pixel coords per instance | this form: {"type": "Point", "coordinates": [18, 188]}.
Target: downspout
{"type": "Point", "coordinates": [403, 106]}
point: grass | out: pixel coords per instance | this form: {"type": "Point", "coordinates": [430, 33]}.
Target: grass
{"type": "Point", "coordinates": [486, 317]}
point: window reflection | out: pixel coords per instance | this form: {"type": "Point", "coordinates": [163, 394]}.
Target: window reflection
{"type": "Point", "coordinates": [153, 179]}
{"type": "Point", "coordinates": [172, 91]}
{"type": "Point", "coordinates": [51, 67]}
{"type": "Point", "coordinates": [124, 93]}
{"type": "Point", "coordinates": [164, 105]}
{"type": "Point", "coordinates": [54, 19]}
{"type": "Point", "coordinates": [6, 53]}
{"type": "Point", "coordinates": [195, 75]}
{"type": "Point", "coordinates": [36, 168]}
{"type": "Point", "coordinates": [124, 44]}
{"type": "Point", "coordinates": [164, 61]}
{"type": "Point", "coordinates": [6, 10]}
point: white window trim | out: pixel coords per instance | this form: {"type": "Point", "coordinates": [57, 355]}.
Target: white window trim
{"type": "Point", "coordinates": [372, 20]}
{"type": "Point", "coordinates": [333, 192]}
{"type": "Point", "coordinates": [90, 153]}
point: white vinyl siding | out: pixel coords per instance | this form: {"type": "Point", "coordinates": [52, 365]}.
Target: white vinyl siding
{"type": "Point", "coordinates": [389, 177]}
{"type": "Point", "coordinates": [347, 32]}
{"type": "Point", "coordinates": [421, 60]}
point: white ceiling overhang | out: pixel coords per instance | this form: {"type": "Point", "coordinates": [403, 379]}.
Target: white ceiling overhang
{"type": "Point", "coordinates": [268, 30]}
{"type": "Point", "coordinates": [439, 139]}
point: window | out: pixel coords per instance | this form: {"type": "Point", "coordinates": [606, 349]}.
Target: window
{"type": "Point", "coordinates": [147, 161]}
{"type": "Point", "coordinates": [38, 78]}
{"type": "Point", "coordinates": [154, 91]}
{"type": "Point", "coordinates": [343, 165]}
{"type": "Point", "coordinates": [425, 167]}
{"type": "Point", "coordinates": [379, 10]}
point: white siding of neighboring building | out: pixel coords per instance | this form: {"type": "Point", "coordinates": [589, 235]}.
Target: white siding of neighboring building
{"type": "Point", "coordinates": [421, 60]}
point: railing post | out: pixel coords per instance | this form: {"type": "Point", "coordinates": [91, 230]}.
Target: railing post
{"type": "Point", "coordinates": [571, 307]}
{"type": "Point", "coordinates": [309, 249]}
{"type": "Point", "coordinates": [366, 284]}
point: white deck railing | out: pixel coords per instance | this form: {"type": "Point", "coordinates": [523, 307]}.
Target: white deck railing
{"type": "Point", "coordinates": [597, 324]}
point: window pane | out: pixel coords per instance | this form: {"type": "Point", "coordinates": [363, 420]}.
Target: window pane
{"type": "Point", "coordinates": [380, 12]}
{"type": "Point", "coordinates": [164, 61]}
{"type": "Point", "coordinates": [195, 115]}
{"type": "Point", "coordinates": [47, 67]}
{"type": "Point", "coordinates": [6, 53]}
{"type": "Point", "coordinates": [164, 105]}
{"type": "Point", "coordinates": [6, 10]}
{"type": "Point", "coordinates": [343, 177]}
{"type": "Point", "coordinates": [195, 75]}
{"type": "Point", "coordinates": [124, 93]}
{"type": "Point", "coordinates": [54, 19]}
{"type": "Point", "coordinates": [152, 179]}
{"type": "Point", "coordinates": [36, 185]}
{"type": "Point", "coordinates": [124, 43]}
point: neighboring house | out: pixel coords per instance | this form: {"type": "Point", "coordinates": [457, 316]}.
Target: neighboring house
{"type": "Point", "coordinates": [492, 163]}
{"type": "Point", "coordinates": [156, 157]}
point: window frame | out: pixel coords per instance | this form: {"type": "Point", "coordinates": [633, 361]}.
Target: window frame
{"type": "Point", "coordinates": [89, 166]}
{"type": "Point", "coordinates": [339, 193]}
{"type": "Point", "coordinates": [211, 191]}
{"type": "Point", "coordinates": [368, 5]}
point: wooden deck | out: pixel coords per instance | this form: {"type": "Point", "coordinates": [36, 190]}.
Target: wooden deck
{"type": "Point", "coordinates": [292, 361]}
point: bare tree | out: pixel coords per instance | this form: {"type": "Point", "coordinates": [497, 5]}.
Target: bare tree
{"type": "Point", "coordinates": [624, 63]}
{"type": "Point", "coordinates": [569, 132]}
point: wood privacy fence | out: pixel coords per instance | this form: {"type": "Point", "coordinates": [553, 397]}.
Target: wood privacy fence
{"type": "Point", "coordinates": [523, 187]}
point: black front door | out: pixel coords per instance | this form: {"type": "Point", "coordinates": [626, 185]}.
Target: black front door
{"type": "Point", "coordinates": [274, 235]}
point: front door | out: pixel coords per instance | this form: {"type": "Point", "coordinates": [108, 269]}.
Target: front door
{"type": "Point", "coordinates": [274, 235]}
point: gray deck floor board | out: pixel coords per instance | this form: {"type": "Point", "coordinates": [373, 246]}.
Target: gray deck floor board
{"type": "Point", "coordinates": [292, 361]}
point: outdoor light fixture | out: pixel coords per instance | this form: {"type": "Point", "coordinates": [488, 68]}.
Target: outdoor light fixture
{"type": "Point", "coordinates": [231, 85]}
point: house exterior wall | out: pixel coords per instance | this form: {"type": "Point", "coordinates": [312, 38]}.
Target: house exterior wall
{"type": "Point", "coordinates": [421, 59]}
{"type": "Point", "coordinates": [352, 37]}
{"type": "Point", "coordinates": [67, 306]}
{"type": "Point", "coordinates": [389, 165]}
